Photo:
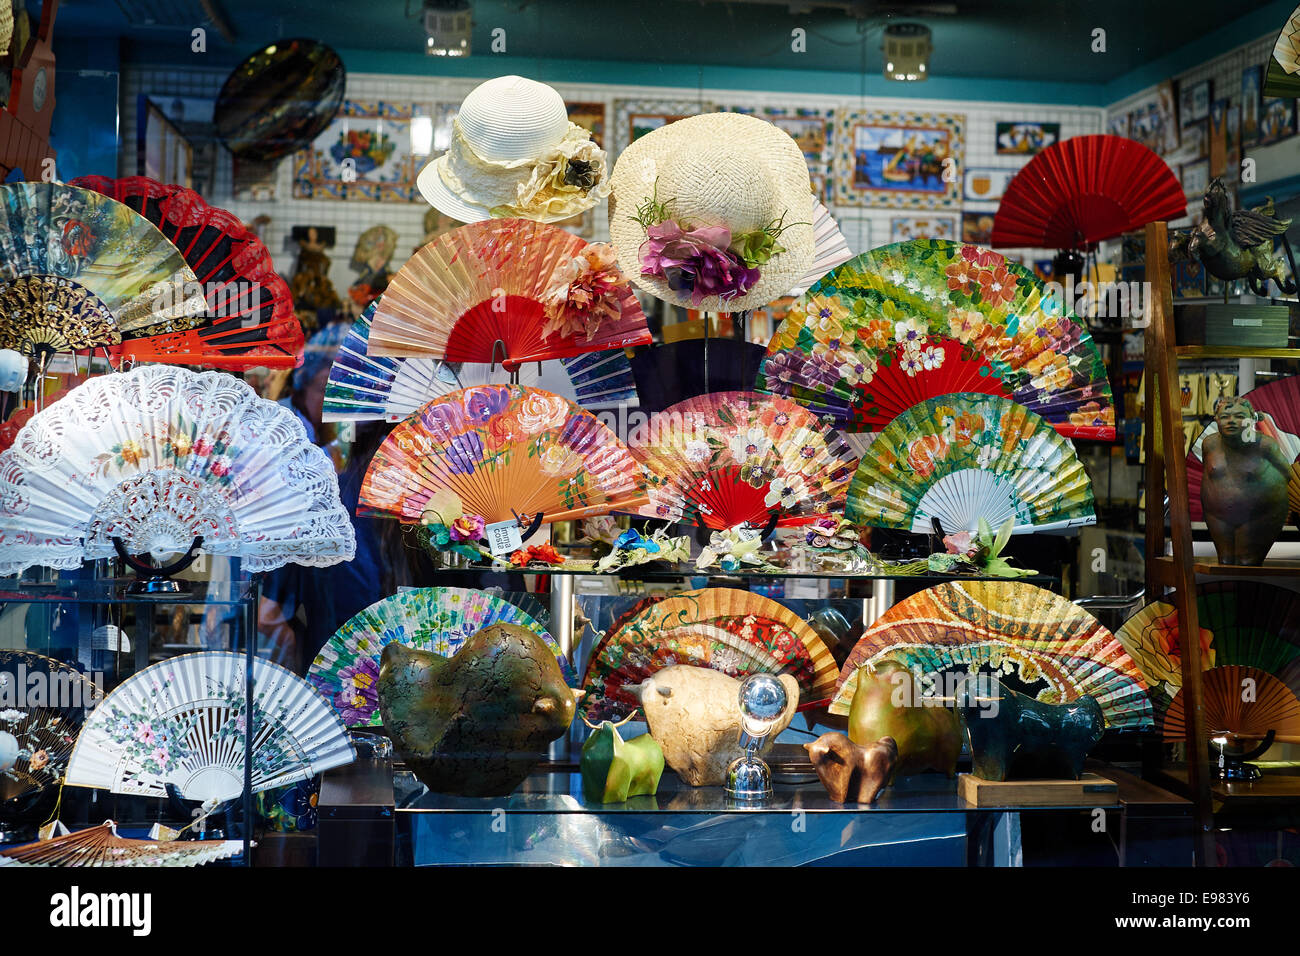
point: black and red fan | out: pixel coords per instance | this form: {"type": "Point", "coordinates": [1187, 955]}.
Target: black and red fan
{"type": "Point", "coordinates": [250, 320]}
{"type": "Point", "coordinates": [1083, 190]}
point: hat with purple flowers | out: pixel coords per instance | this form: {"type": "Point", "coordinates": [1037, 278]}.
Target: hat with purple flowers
{"type": "Point", "coordinates": [713, 212]}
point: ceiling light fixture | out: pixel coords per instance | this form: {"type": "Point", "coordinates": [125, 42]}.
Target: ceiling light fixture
{"type": "Point", "coordinates": [447, 27]}
{"type": "Point", "coordinates": [907, 48]}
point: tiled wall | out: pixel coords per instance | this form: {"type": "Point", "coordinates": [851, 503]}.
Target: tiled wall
{"type": "Point", "coordinates": [864, 228]}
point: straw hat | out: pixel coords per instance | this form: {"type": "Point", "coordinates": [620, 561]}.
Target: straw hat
{"type": "Point", "coordinates": [515, 153]}
{"type": "Point", "coordinates": [717, 169]}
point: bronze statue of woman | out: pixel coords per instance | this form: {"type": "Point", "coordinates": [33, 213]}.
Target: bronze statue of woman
{"type": "Point", "coordinates": [1243, 489]}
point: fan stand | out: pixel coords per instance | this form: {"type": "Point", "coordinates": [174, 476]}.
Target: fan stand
{"type": "Point", "coordinates": [217, 825]}
{"type": "Point", "coordinates": [1233, 766]}
{"type": "Point", "coordinates": [532, 528]}
{"type": "Point", "coordinates": [154, 579]}
{"type": "Point", "coordinates": [703, 532]}
{"type": "Point", "coordinates": [505, 357]}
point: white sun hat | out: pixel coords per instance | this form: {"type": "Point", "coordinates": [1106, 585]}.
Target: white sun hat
{"type": "Point", "coordinates": [717, 169]}
{"type": "Point", "coordinates": [514, 153]}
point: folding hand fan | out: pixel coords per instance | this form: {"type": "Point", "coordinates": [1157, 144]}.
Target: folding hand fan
{"type": "Point", "coordinates": [1282, 73]}
{"type": "Point", "coordinates": [1084, 189]}
{"type": "Point", "coordinates": [960, 458]}
{"type": "Point", "coordinates": [183, 722]}
{"type": "Point", "coordinates": [1034, 641]}
{"type": "Point", "coordinates": [830, 248]}
{"type": "Point", "coordinates": [726, 457]}
{"type": "Point", "coordinates": [728, 630]}
{"type": "Point", "coordinates": [364, 387]}
{"type": "Point", "coordinates": [1270, 705]}
{"type": "Point", "coordinates": [42, 704]}
{"type": "Point", "coordinates": [501, 450]}
{"type": "Point", "coordinates": [248, 318]}
{"type": "Point", "coordinates": [159, 455]}
{"type": "Point", "coordinates": [1277, 406]}
{"type": "Point", "coordinates": [79, 270]}
{"type": "Point", "coordinates": [101, 846]}
{"type": "Point", "coordinates": [539, 291]}
{"type": "Point", "coordinates": [923, 318]}
{"type": "Point", "coordinates": [440, 619]}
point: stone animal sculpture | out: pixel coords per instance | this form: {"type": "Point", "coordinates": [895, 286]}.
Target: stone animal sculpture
{"type": "Point", "coordinates": [694, 715]}
{"type": "Point", "coordinates": [614, 769]}
{"type": "Point", "coordinates": [852, 772]}
{"type": "Point", "coordinates": [887, 703]}
{"type": "Point", "coordinates": [1014, 733]}
{"type": "Point", "coordinates": [475, 723]}
{"type": "Point", "coordinates": [1239, 245]}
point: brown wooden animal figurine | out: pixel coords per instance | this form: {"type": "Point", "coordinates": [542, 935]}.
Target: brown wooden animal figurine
{"type": "Point", "coordinates": [851, 771]}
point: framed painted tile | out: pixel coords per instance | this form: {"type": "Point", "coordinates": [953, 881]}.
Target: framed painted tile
{"type": "Point", "coordinates": [898, 160]}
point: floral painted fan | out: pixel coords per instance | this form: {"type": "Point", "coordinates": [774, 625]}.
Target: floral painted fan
{"type": "Point", "coordinates": [1032, 640]}
{"type": "Point", "coordinates": [364, 387]}
{"type": "Point", "coordinates": [161, 455]}
{"type": "Point", "coordinates": [960, 458]}
{"type": "Point", "coordinates": [1282, 73]}
{"type": "Point", "coordinates": [1270, 706]}
{"type": "Point", "coordinates": [248, 318]}
{"type": "Point", "coordinates": [508, 290]}
{"type": "Point", "coordinates": [440, 619]}
{"type": "Point", "coordinates": [101, 846]}
{"type": "Point", "coordinates": [501, 451]}
{"type": "Point", "coordinates": [927, 317]}
{"type": "Point", "coordinates": [183, 722]}
{"type": "Point", "coordinates": [79, 270]}
{"type": "Point", "coordinates": [723, 458]}
{"type": "Point", "coordinates": [736, 632]}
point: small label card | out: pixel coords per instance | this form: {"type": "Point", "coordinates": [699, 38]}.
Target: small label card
{"type": "Point", "coordinates": [503, 537]}
{"type": "Point", "coordinates": [746, 533]}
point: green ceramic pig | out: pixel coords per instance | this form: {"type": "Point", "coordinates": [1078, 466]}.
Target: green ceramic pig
{"type": "Point", "coordinates": [614, 769]}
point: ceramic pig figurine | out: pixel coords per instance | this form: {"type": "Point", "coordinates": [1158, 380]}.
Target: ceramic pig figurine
{"type": "Point", "coordinates": [475, 723]}
{"type": "Point", "coordinates": [694, 715]}
{"type": "Point", "coordinates": [928, 736]}
{"type": "Point", "coordinates": [1041, 740]}
{"type": "Point", "coordinates": [851, 771]}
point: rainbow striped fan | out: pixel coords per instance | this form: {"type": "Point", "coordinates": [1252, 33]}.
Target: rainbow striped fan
{"type": "Point", "coordinates": [101, 846]}
{"type": "Point", "coordinates": [182, 722]}
{"type": "Point", "coordinates": [159, 456]}
{"type": "Point", "coordinates": [1032, 640]}
{"type": "Point", "coordinates": [1271, 705]}
{"type": "Point", "coordinates": [79, 271]}
{"type": "Point", "coordinates": [960, 458]}
{"type": "Point", "coordinates": [363, 387]}
{"type": "Point", "coordinates": [248, 318]}
{"type": "Point", "coordinates": [918, 319]}
{"type": "Point", "coordinates": [728, 630]}
{"type": "Point", "coordinates": [439, 619]}
{"type": "Point", "coordinates": [498, 451]}
{"type": "Point", "coordinates": [726, 457]}
{"type": "Point", "coordinates": [531, 287]}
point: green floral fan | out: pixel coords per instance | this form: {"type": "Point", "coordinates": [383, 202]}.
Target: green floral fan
{"type": "Point", "coordinates": [436, 619]}
{"type": "Point", "coordinates": [960, 458]}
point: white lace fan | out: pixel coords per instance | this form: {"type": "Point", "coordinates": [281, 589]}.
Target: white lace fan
{"type": "Point", "coordinates": [182, 722]}
{"type": "Point", "coordinates": [158, 456]}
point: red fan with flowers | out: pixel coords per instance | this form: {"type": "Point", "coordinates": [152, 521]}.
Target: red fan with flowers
{"type": "Point", "coordinates": [249, 319]}
{"type": "Point", "coordinates": [508, 290]}
{"type": "Point", "coordinates": [1082, 190]}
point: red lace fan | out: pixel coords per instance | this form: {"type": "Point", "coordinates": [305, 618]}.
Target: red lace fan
{"type": "Point", "coordinates": [1083, 190]}
{"type": "Point", "coordinates": [250, 319]}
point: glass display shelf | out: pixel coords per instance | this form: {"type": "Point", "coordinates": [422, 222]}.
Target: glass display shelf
{"type": "Point", "coordinates": [115, 591]}
{"type": "Point", "coordinates": [647, 572]}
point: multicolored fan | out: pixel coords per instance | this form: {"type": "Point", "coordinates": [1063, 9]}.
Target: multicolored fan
{"type": "Point", "coordinates": [441, 619]}
{"type": "Point", "coordinates": [728, 630]}
{"type": "Point", "coordinates": [497, 451]}
{"type": "Point", "coordinates": [248, 318]}
{"type": "Point", "coordinates": [1034, 641]}
{"type": "Point", "coordinates": [960, 458]}
{"type": "Point", "coordinates": [182, 722]}
{"type": "Point", "coordinates": [363, 387]}
{"type": "Point", "coordinates": [1082, 190]}
{"type": "Point", "coordinates": [507, 288]}
{"type": "Point", "coordinates": [724, 458]}
{"type": "Point", "coordinates": [101, 846]}
{"type": "Point", "coordinates": [1282, 76]}
{"type": "Point", "coordinates": [1277, 413]}
{"type": "Point", "coordinates": [1231, 712]}
{"type": "Point", "coordinates": [918, 319]}
{"type": "Point", "coordinates": [79, 270]}
{"type": "Point", "coordinates": [37, 733]}
{"type": "Point", "coordinates": [159, 456]}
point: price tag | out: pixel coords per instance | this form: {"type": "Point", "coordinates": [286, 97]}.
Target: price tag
{"type": "Point", "coordinates": [746, 533]}
{"type": "Point", "coordinates": [503, 537]}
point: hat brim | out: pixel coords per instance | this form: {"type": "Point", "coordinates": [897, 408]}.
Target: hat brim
{"type": "Point", "coordinates": [437, 195]}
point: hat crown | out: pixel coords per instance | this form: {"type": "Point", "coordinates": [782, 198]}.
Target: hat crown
{"type": "Point", "coordinates": [511, 118]}
{"type": "Point", "coordinates": [718, 186]}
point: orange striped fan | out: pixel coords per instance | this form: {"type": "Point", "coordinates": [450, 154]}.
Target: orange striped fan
{"type": "Point", "coordinates": [724, 629]}
{"type": "Point", "coordinates": [725, 457]}
{"type": "Point", "coordinates": [1235, 705]}
{"type": "Point", "coordinates": [1034, 641]}
{"type": "Point", "coordinates": [101, 846]}
{"type": "Point", "coordinates": [498, 450]}
{"type": "Point", "coordinates": [538, 290]}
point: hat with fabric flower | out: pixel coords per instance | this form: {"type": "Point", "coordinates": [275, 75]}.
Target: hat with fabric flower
{"type": "Point", "coordinates": [713, 212]}
{"type": "Point", "coordinates": [514, 153]}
